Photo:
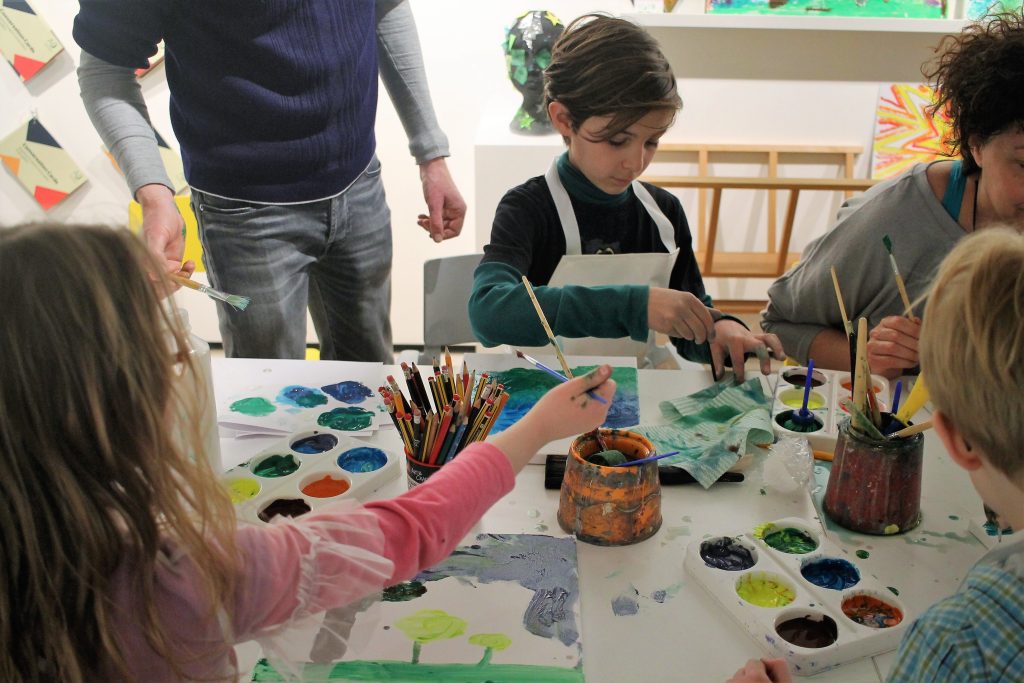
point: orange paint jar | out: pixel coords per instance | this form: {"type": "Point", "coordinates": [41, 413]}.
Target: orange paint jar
{"type": "Point", "coordinates": [610, 505]}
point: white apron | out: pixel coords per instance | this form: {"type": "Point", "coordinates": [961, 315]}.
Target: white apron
{"type": "Point", "coordinates": [593, 270]}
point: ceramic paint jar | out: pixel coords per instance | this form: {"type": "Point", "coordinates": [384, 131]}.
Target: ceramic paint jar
{"type": "Point", "coordinates": [875, 486]}
{"type": "Point", "coordinates": [610, 505]}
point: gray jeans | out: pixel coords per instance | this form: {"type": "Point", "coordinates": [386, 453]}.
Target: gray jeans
{"type": "Point", "coordinates": [332, 255]}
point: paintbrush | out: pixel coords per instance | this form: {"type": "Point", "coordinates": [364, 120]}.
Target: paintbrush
{"type": "Point", "coordinates": [861, 421]}
{"type": "Point", "coordinates": [861, 381]}
{"type": "Point", "coordinates": [239, 302]}
{"type": "Point", "coordinates": [641, 461]}
{"type": "Point", "coordinates": [899, 278]}
{"type": "Point", "coordinates": [911, 430]}
{"type": "Point", "coordinates": [557, 375]}
{"type": "Point", "coordinates": [917, 398]}
{"type": "Point", "coordinates": [851, 336]}
{"type": "Point", "coordinates": [547, 328]}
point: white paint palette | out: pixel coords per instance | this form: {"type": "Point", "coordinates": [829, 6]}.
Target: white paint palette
{"type": "Point", "coordinates": [305, 471]}
{"type": "Point", "coordinates": [828, 388]}
{"type": "Point", "coordinates": [798, 595]}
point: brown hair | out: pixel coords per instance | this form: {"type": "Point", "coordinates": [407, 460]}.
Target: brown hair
{"type": "Point", "coordinates": [603, 66]}
{"type": "Point", "coordinates": [95, 476]}
{"type": "Point", "coordinates": [972, 344]}
{"type": "Point", "coordinates": [977, 76]}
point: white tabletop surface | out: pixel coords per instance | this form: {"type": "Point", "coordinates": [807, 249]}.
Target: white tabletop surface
{"type": "Point", "coordinates": [687, 636]}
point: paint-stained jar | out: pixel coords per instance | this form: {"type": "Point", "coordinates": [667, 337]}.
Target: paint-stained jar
{"type": "Point", "coordinates": [610, 505]}
{"type": "Point", "coordinates": [875, 486]}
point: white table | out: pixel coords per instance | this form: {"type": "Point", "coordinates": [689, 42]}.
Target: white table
{"type": "Point", "coordinates": [687, 637]}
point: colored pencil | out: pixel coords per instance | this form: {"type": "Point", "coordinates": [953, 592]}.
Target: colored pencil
{"type": "Point", "coordinates": [547, 328]}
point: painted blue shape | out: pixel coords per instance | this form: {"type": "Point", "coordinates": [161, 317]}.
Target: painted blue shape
{"type": "Point", "coordinates": [362, 460]}
{"type": "Point", "coordinates": [348, 391]}
{"type": "Point", "coordinates": [301, 397]}
{"type": "Point", "coordinates": [318, 443]}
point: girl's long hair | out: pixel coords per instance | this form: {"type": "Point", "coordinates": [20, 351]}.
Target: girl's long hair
{"type": "Point", "coordinates": [100, 455]}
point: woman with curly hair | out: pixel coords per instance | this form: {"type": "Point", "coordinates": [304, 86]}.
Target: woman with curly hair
{"type": "Point", "coordinates": [978, 76]}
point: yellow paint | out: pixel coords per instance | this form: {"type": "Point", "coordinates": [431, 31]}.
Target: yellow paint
{"type": "Point", "coordinates": [764, 590]}
{"type": "Point", "coordinates": [794, 398]}
{"type": "Point", "coordinates": [242, 490]}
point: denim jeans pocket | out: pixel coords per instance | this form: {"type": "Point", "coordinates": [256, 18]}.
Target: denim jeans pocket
{"type": "Point", "coordinates": [221, 206]}
{"type": "Point", "coordinates": [373, 168]}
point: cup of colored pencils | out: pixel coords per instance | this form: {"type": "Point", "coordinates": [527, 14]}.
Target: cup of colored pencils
{"type": "Point", "coordinates": [438, 418]}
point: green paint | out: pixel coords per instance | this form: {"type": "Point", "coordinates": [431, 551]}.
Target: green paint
{"type": "Point", "coordinates": [276, 466]}
{"type": "Point", "coordinates": [608, 458]}
{"type": "Point", "coordinates": [428, 625]}
{"type": "Point", "coordinates": [763, 492]}
{"type": "Point", "coordinates": [764, 591]}
{"type": "Point", "coordinates": [790, 540]}
{"type": "Point", "coordinates": [863, 554]}
{"type": "Point", "coordinates": [346, 419]}
{"type": "Point", "coordinates": [894, 591]}
{"type": "Point", "coordinates": [403, 592]}
{"type": "Point", "coordinates": [256, 406]}
{"type": "Point", "coordinates": [954, 517]}
{"type": "Point", "coordinates": [490, 641]}
{"type": "Point", "coordinates": [390, 670]}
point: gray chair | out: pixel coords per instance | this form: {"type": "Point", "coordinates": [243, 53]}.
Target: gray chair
{"type": "Point", "coordinates": [447, 283]}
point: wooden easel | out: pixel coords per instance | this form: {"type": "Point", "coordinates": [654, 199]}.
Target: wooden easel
{"type": "Point", "coordinates": [777, 258]}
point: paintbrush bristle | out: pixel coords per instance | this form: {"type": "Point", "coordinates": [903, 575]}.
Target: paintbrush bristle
{"type": "Point", "coordinates": [888, 244]}
{"type": "Point", "coordinates": [239, 302]}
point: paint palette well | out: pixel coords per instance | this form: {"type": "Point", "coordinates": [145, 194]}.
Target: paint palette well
{"type": "Point", "coordinates": [306, 470]}
{"type": "Point", "coordinates": [798, 595]}
{"type": "Point", "coordinates": [828, 388]}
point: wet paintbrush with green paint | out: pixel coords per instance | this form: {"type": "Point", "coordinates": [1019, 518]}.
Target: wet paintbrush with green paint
{"type": "Point", "coordinates": [239, 302]}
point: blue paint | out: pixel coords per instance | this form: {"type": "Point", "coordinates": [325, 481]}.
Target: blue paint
{"type": "Point", "coordinates": [348, 392]}
{"type": "Point", "coordinates": [833, 573]}
{"type": "Point", "coordinates": [313, 445]}
{"type": "Point", "coordinates": [626, 604]}
{"type": "Point", "coordinates": [301, 397]}
{"type": "Point", "coordinates": [363, 459]}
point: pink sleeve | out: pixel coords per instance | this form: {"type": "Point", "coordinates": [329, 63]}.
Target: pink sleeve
{"type": "Point", "coordinates": [345, 551]}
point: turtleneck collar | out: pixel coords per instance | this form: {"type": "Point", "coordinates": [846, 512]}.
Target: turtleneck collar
{"type": "Point", "coordinates": [580, 188]}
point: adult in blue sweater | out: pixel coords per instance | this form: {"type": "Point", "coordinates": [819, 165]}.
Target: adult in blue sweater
{"type": "Point", "coordinates": [273, 105]}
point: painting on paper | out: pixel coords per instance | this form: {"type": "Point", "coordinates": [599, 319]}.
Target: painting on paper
{"type": "Point", "coordinates": [526, 384]}
{"type": "Point", "coordinates": [918, 9]}
{"type": "Point", "coordinates": [257, 396]}
{"type": "Point", "coordinates": [976, 9]}
{"type": "Point", "coordinates": [505, 608]}
{"type": "Point", "coordinates": [905, 132]}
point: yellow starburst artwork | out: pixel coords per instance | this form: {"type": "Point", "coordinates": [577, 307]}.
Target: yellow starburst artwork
{"type": "Point", "coordinates": [905, 133]}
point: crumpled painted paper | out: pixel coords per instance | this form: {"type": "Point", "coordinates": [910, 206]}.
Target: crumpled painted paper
{"type": "Point", "coordinates": [712, 428]}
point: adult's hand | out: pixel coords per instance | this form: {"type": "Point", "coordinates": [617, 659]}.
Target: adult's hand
{"type": "Point", "coordinates": [446, 209]}
{"type": "Point", "coordinates": [762, 671]}
{"type": "Point", "coordinates": [163, 228]}
{"type": "Point", "coordinates": [892, 345]}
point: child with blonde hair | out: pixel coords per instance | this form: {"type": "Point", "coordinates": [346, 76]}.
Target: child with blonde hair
{"type": "Point", "coordinates": [121, 558]}
{"type": "Point", "coordinates": [972, 350]}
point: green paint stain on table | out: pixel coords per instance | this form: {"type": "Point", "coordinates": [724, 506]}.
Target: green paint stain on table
{"type": "Point", "coordinates": [347, 419]}
{"type": "Point", "coordinates": [393, 670]}
{"type": "Point", "coordinates": [894, 591]}
{"type": "Point", "coordinates": [255, 406]}
{"type": "Point", "coordinates": [863, 554]}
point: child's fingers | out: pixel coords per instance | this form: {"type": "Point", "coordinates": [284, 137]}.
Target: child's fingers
{"type": "Point", "coordinates": [738, 356]}
{"type": "Point", "coordinates": [717, 360]}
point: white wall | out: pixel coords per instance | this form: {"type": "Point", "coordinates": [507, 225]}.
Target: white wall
{"type": "Point", "coordinates": [776, 101]}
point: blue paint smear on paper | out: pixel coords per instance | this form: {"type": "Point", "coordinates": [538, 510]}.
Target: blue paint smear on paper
{"type": "Point", "coordinates": [526, 386]}
{"type": "Point", "coordinates": [544, 564]}
{"type": "Point", "coordinates": [301, 397]}
{"type": "Point", "coordinates": [348, 391]}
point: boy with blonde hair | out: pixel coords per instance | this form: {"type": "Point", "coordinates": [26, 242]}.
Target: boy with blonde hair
{"type": "Point", "coordinates": [972, 350]}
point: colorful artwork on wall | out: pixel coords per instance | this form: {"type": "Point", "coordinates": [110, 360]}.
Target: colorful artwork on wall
{"type": "Point", "coordinates": [905, 132]}
{"type": "Point", "coordinates": [26, 40]}
{"type": "Point", "coordinates": [976, 9]}
{"type": "Point", "coordinates": [40, 164]}
{"type": "Point", "coordinates": [919, 9]}
{"type": "Point", "coordinates": [505, 608]}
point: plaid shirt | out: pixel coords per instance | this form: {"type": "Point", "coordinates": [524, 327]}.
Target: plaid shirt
{"type": "Point", "coordinates": [975, 635]}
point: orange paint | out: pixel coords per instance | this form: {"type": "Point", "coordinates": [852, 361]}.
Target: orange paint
{"type": "Point", "coordinates": [328, 487]}
{"type": "Point", "coordinates": [849, 386]}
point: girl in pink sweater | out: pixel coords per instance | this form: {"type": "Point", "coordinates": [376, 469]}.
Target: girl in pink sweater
{"type": "Point", "coordinates": [121, 558]}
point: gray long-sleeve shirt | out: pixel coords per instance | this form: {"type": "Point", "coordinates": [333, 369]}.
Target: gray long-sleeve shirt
{"type": "Point", "coordinates": [802, 303]}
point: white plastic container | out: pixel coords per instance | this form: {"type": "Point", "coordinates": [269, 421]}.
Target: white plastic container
{"type": "Point", "coordinates": [202, 390]}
